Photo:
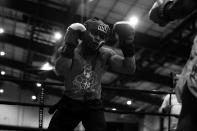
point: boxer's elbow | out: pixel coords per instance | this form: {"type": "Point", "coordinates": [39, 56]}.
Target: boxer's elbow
{"type": "Point", "coordinates": [181, 8]}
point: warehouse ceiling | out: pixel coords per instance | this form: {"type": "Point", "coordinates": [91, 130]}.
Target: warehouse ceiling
{"type": "Point", "coordinates": [28, 42]}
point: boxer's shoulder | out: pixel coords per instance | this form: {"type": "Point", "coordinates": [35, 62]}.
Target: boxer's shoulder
{"type": "Point", "coordinates": [106, 50]}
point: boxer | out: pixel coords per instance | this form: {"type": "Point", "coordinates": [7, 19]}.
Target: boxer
{"type": "Point", "coordinates": [82, 61]}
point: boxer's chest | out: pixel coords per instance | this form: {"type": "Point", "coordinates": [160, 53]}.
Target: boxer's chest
{"type": "Point", "coordinates": [93, 63]}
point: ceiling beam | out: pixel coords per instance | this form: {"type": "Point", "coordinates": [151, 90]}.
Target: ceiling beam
{"type": "Point", "coordinates": [65, 15]}
{"type": "Point", "coordinates": [25, 44]}
{"type": "Point", "coordinates": [37, 10]}
{"type": "Point", "coordinates": [25, 68]}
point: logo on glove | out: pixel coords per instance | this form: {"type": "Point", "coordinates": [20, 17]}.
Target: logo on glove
{"type": "Point", "coordinates": [104, 28]}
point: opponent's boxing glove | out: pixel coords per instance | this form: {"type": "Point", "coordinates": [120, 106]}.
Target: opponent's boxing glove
{"type": "Point", "coordinates": [159, 12]}
{"type": "Point", "coordinates": [72, 35]}
{"type": "Point", "coordinates": [126, 35]}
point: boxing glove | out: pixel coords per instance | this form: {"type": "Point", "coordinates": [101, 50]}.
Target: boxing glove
{"type": "Point", "coordinates": [159, 12]}
{"type": "Point", "coordinates": [73, 33]}
{"type": "Point", "coordinates": [125, 33]}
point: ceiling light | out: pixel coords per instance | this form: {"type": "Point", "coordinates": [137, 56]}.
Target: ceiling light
{"type": "Point", "coordinates": [33, 97]}
{"type": "Point", "coordinates": [38, 84]}
{"type": "Point", "coordinates": [1, 30]}
{"type": "Point", "coordinates": [1, 90]}
{"type": "Point", "coordinates": [2, 53]}
{"type": "Point", "coordinates": [57, 35]}
{"type": "Point", "coordinates": [129, 102]}
{"type": "Point", "coordinates": [114, 109]}
{"type": "Point", "coordinates": [46, 66]}
{"type": "Point", "coordinates": [2, 73]}
{"type": "Point", "coordinates": [133, 21]}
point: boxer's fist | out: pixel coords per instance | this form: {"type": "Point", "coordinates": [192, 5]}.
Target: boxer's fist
{"type": "Point", "coordinates": [125, 33]}
{"type": "Point", "coordinates": [124, 30]}
{"type": "Point", "coordinates": [73, 33]}
{"type": "Point", "coordinates": [159, 12]}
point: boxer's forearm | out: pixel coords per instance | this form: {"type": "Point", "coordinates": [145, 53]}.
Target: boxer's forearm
{"type": "Point", "coordinates": [130, 64]}
{"type": "Point", "coordinates": [180, 8]}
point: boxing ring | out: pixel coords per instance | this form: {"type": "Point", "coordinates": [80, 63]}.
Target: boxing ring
{"type": "Point", "coordinates": [41, 105]}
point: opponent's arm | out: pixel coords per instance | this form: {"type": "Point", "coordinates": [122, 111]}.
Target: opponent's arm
{"type": "Point", "coordinates": [165, 11]}
{"type": "Point", "coordinates": [192, 69]}
{"type": "Point", "coordinates": [189, 73]}
{"type": "Point", "coordinates": [64, 61]}
{"type": "Point", "coordinates": [181, 8]}
{"type": "Point", "coordinates": [125, 35]}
